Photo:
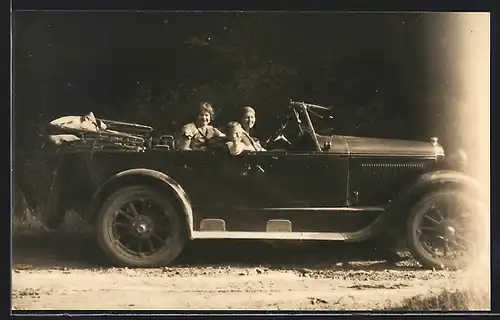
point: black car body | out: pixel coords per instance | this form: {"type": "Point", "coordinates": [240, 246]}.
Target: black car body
{"type": "Point", "coordinates": [306, 186]}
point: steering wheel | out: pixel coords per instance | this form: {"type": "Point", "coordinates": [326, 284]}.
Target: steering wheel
{"type": "Point", "coordinates": [279, 134]}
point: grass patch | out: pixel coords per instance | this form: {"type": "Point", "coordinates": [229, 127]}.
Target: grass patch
{"type": "Point", "coordinates": [28, 225]}
{"type": "Point", "coordinates": [467, 299]}
{"type": "Point", "coordinates": [35, 245]}
{"type": "Point", "coordinates": [468, 290]}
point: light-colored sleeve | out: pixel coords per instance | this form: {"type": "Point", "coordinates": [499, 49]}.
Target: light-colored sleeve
{"type": "Point", "coordinates": [248, 148]}
{"type": "Point", "coordinates": [187, 131]}
{"type": "Point", "coordinates": [186, 134]}
{"type": "Point", "coordinates": [261, 147]}
{"type": "Point", "coordinates": [258, 145]}
{"type": "Point", "coordinates": [218, 133]}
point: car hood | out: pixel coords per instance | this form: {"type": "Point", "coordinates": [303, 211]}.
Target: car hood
{"type": "Point", "coordinates": [381, 146]}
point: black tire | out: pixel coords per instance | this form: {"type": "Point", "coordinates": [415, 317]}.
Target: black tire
{"type": "Point", "coordinates": [165, 234]}
{"type": "Point", "coordinates": [448, 232]}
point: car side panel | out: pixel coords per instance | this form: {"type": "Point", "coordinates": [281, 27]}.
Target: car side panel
{"type": "Point", "coordinates": [299, 187]}
{"type": "Point", "coordinates": [374, 181]}
{"type": "Point", "coordinates": [303, 179]}
{"type": "Point", "coordinates": [232, 189]}
{"type": "Point", "coordinates": [193, 170]}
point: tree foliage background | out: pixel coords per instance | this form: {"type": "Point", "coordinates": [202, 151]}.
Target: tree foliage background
{"type": "Point", "coordinates": [153, 67]}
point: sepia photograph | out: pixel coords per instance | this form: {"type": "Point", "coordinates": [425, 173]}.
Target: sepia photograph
{"type": "Point", "coordinates": [250, 160]}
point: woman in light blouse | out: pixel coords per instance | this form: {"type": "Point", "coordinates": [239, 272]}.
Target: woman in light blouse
{"type": "Point", "coordinates": [196, 135]}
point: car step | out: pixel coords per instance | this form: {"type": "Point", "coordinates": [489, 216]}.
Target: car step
{"type": "Point", "coordinates": [269, 235]}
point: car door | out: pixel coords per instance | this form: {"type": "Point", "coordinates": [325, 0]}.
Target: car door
{"type": "Point", "coordinates": [301, 179]}
{"type": "Point", "coordinates": [300, 187]}
{"type": "Point", "coordinates": [194, 170]}
{"type": "Point", "coordinates": [230, 192]}
{"type": "Point", "coordinates": [251, 189]}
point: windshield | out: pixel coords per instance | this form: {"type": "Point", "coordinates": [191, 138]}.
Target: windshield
{"type": "Point", "coordinates": [322, 119]}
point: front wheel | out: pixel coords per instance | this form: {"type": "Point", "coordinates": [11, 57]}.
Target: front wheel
{"type": "Point", "coordinates": [446, 229]}
{"type": "Point", "coordinates": [138, 227]}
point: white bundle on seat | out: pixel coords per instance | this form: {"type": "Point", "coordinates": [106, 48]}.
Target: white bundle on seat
{"type": "Point", "coordinates": [83, 132]}
{"type": "Point", "coordinates": [59, 139]}
{"type": "Point", "coordinates": [87, 122]}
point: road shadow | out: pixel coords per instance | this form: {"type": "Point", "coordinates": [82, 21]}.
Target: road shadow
{"type": "Point", "coordinates": [67, 251]}
{"type": "Point", "coordinates": [48, 251]}
{"type": "Point", "coordinates": [286, 255]}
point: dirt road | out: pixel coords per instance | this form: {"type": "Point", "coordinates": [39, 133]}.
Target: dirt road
{"type": "Point", "coordinates": [213, 275]}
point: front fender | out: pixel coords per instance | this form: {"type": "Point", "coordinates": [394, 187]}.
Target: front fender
{"type": "Point", "coordinates": [150, 176]}
{"type": "Point", "coordinates": [441, 178]}
{"type": "Point", "coordinates": [399, 207]}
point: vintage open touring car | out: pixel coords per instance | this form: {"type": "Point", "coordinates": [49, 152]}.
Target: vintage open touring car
{"type": "Point", "coordinates": [146, 199]}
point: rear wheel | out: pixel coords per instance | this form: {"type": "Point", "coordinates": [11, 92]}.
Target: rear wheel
{"type": "Point", "coordinates": [447, 229]}
{"type": "Point", "coordinates": [138, 227]}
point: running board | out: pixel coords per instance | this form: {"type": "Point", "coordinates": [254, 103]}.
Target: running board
{"type": "Point", "coordinates": [324, 236]}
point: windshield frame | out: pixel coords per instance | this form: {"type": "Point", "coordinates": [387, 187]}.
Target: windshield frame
{"type": "Point", "coordinates": [304, 107]}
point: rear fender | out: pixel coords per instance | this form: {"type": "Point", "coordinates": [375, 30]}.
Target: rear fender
{"type": "Point", "coordinates": [398, 208]}
{"type": "Point", "coordinates": [148, 176]}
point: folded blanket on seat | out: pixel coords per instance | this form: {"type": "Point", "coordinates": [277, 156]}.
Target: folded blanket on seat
{"type": "Point", "coordinates": [63, 129]}
{"type": "Point", "coordinates": [86, 122]}
{"type": "Point", "coordinates": [87, 131]}
{"type": "Point", "coordinates": [61, 138]}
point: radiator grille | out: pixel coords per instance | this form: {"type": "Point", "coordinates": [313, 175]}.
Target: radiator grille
{"type": "Point", "coordinates": [376, 178]}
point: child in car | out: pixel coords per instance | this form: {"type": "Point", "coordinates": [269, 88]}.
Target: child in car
{"type": "Point", "coordinates": [234, 133]}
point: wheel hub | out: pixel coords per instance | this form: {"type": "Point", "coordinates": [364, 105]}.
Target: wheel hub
{"type": "Point", "coordinates": [446, 230]}
{"type": "Point", "coordinates": [450, 231]}
{"type": "Point", "coordinates": [143, 226]}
